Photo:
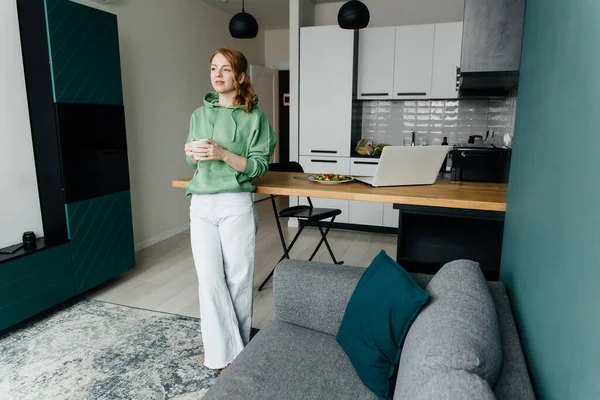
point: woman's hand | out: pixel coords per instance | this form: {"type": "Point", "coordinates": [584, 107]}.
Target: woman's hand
{"type": "Point", "coordinates": [211, 151]}
{"type": "Point", "coordinates": [191, 152]}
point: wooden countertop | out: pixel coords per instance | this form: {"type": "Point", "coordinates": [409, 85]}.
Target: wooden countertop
{"type": "Point", "coordinates": [465, 195]}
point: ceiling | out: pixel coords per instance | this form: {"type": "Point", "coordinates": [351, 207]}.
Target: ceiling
{"type": "Point", "coordinates": [271, 14]}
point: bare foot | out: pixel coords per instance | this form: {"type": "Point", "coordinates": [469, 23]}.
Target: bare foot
{"type": "Point", "coordinates": [223, 370]}
{"type": "Point", "coordinates": [202, 358]}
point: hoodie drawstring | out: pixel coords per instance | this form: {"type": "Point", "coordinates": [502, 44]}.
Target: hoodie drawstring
{"type": "Point", "coordinates": [212, 120]}
{"type": "Point", "coordinates": [234, 125]}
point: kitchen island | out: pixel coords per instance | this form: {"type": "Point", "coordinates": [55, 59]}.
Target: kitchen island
{"type": "Point", "coordinates": [437, 223]}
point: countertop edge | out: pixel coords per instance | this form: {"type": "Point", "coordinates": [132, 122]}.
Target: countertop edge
{"type": "Point", "coordinates": [408, 200]}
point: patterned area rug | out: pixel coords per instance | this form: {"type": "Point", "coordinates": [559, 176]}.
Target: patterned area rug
{"type": "Point", "coordinates": [96, 350]}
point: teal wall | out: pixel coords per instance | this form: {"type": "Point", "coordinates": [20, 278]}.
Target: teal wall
{"type": "Point", "coordinates": [84, 51]}
{"type": "Point", "coordinates": [34, 283]}
{"type": "Point", "coordinates": [551, 255]}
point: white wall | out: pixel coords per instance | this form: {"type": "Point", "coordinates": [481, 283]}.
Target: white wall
{"type": "Point", "coordinates": [19, 201]}
{"type": "Point", "coordinates": [398, 12]}
{"type": "Point", "coordinates": [302, 13]}
{"type": "Point", "coordinates": [277, 49]}
{"type": "Point", "coordinates": [165, 47]}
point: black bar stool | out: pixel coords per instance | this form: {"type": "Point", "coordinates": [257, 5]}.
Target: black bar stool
{"type": "Point", "coordinates": [305, 214]}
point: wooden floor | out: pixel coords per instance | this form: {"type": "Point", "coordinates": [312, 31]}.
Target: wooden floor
{"type": "Point", "coordinates": [165, 280]}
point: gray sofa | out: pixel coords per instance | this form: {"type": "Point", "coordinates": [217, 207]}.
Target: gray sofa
{"type": "Point", "coordinates": [297, 356]}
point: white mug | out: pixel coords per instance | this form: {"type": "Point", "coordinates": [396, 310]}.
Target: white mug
{"type": "Point", "coordinates": [196, 143]}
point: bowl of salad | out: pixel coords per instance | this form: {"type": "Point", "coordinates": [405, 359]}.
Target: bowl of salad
{"type": "Point", "coordinates": [331, 178]}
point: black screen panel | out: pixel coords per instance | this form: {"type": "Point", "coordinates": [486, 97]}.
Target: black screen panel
{"type": "Point", "coordinates": [93, 150]}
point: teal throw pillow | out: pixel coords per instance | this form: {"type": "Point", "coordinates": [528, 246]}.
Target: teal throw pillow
{"type": "Point", "coordinates": [382, 307]}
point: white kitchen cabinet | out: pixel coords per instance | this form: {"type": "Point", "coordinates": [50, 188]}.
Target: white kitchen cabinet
{"type": "Point", "coordinates": [365, 213]}
{"type": "Point", "coordinates": [390, 215]}
{"type": "Point", "coordinates": [413, 61]}
{"type": "Point", "coordinates": [446, 60]}
{"type": "Point", "coordinates": [363, 166]}
{"type": "Point", "coordinates": [326, 76]}
{"type": "Point", "coordinates": [325, 165]}
{"type": "Point", "coordinates": [376, 48]}
{"type": "Point", "coordinates": [342, 205]}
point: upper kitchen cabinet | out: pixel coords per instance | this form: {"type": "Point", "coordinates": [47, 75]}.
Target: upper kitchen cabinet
{"type": "Point", "coordinates": [491, 46]}
{"type": "Point", "coordinates": [409, 62]}
{"type": "Point", "coordinates": [326, 90]}
{"type": "Point", "coordinates": [376, 47]}
{"type": "Point", "coordinates": [413, 61]}
{"type": "Point", "coordinates": [446, 60]}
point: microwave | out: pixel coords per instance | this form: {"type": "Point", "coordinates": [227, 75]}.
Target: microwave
{"type": "Point", "coordinates": [480, 164]}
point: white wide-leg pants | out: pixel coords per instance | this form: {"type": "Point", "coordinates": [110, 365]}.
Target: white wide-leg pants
{"type": "Point", "coordinates": [223, 230]}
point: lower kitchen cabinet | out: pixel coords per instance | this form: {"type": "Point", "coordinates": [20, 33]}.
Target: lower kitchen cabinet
{"type": "Point", "coordinates": [365, 213]}
{"type": "Point", "coordinates": [363, 166]}
{"type": "Point", "coordinates": [330, 203]}
{"type": "Point", "coordinates": [327, 165]}
{"type": "Point", "coordinates": [390, 216]}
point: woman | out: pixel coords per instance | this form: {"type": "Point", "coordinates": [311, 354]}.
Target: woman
{"type": "Point", "coordinates": [223, 224]}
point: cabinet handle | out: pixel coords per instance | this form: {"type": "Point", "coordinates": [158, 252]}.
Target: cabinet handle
{"type": "Point", "coordinates": [457, 79]}
{"type": "Point", "coordinates": [325, 161]}
{"type": "Point", "coordinates": [324, 151]}
{"type": "Point", "coordinates": [366, 163]}
{"type": "Point", "coordinates": [412, 94]}
{"type": "Point", "coordinates": [482, 154]}
{"type": "Point", "coordinates": [374, 94]}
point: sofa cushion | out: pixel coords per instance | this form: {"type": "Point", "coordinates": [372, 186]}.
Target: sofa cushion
{"type": "Point", "coordinates": [285, 361]}
{"type": "Point", "coordinates": [313, 295]}
{"type": "Point", "coordinates": [452, 385]}
{"type": "Point", "coordinates": [513, 381]}
{"type": "Point", "coordinates": [457, 330]}
{"type": "Point", "coordinates": [384, 304]}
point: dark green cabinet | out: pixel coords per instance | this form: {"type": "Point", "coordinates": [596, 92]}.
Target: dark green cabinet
{"type": "Point", "coordinates": [84, 53]}
{"type": "Point", "coordinates": [31, 284]}
{"type": "Point", "coordinates": [101, 239]}
{"type": "Point", "coordinates": [73, 77]}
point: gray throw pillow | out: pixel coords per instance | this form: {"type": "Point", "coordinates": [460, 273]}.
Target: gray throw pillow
{"type": "Point", "coordinates": [457, 330]}
{"type": "Point", "coordinates": [455, 385]}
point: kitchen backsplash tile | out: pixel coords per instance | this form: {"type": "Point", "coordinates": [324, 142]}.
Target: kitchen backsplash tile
{"type": "Point", "coordinates": [392, 121]}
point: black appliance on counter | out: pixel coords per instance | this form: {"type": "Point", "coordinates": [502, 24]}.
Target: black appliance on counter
{"type": "Point", "coordinates": [480, 163]}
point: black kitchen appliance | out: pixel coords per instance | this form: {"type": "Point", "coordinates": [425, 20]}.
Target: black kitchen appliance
{"type": "Point", "coordinates": [480, 164]}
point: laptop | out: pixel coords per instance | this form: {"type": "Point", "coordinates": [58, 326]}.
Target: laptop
{"type": "Point", "coordinates": [407, 165]}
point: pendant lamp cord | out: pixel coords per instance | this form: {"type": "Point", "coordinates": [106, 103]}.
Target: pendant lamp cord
{"type": "Point", "coordinates": [243, 9]}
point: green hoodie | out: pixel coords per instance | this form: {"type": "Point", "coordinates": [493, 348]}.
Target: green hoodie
{"type": "Point", "coordinates": [247, 135]}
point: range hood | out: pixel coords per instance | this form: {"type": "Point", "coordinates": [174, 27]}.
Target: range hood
{"type": "Point", "coordinates": [491, 47]}
{"type": "Point", "coordinates": [487, 84]}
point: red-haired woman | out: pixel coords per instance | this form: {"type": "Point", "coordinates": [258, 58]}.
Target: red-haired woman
{"type": "Point", "coordinates": [229, 144]}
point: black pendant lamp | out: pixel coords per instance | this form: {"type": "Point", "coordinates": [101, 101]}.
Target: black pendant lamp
{"type": "Point", "coordinates": [354, 15]}
{"type": "Point", "coordinates": [243, 25]}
